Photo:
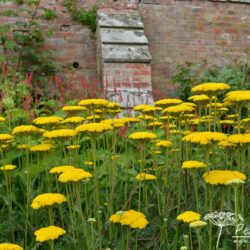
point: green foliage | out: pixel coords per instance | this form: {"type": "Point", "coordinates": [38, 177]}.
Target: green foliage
{"type": "Point", "coordinates": [49, 14]}
{"type": "Point", "coordinates": [21, 43]}
{"type": "Point", "coordinates": [81, 15]}
{"type": "Point", "coordinates": [187, 75]}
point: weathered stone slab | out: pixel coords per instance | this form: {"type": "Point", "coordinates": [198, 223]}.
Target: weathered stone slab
{"type": "Point", "coordinates": [120, 20]}
{"type": "Point", "coordinates": [122, 36]}
{"type": "Point", "coordinates": [125, 53]}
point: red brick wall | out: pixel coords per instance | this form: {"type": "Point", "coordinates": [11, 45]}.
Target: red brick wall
{"type": "Point", "coordinates": [180, 31]}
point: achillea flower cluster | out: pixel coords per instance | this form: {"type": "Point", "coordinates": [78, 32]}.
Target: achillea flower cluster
{"type": "Point", "coordinates": [130, 218]}
{"type": "Point", "coordinates": [25, 130]}
{"type": "Point", "coordinates": [8, 167]}
{"type": "Point", "coordinates": [74, 175]}
{"type": "Point", "coordinates": [193, 164]}
{"type": "Point", "coordinates": [145, 177]}
{"type": "Point", "coordinates": [73, 108]}
{"type": "Point", "coordinates": [73, 120]}
{"type": "Point", "coordinates": [199, 99]}
{"type": "Point", "coordinates": [239, 139]}
{"type": "Point", "coordinates": [2, 119]}
{"type": "Point", "coordinates": [140, 136]}
{"type": "Point", "coordinates": [216, 177]}
{"type": "Point", "coordinates": [61, 169]}
{"type": "Point", "coordinates": [9, 246]}
{"type": "Point", "coordinates": [163, 143]}
{"type": "Point", "coordinates": [180, 108]}
{"type": "Point", "coordinates": [60, 134]}
{"type": "Point", "coordinates": [188, 216]}
{"type": "Point", "coordinates": [167, 102]}
{"type": "Point", "coordinates": [210, 88]}
{"type": "Point", "coordinates": [204, 138]}
{"type": "Point", "coordinates": [6, 137]}
{"type": "Point", "coordinates": [73, 147]}
{"type": "Point", "coordinates": [48, 233]}
{"type": "Point", "coordinates": [237, 96]}
{"type": "Point", "coordinates": [49, 120]}
{"type": "Point", "coordinates": [141, 107]}
{"type": "Point", "coordinates": [44, 147]}
{"type": "Point", "coordinates": [47, 199]}
{"type": "Point", "coordinates": [93, 103]}
{"type": "Point", "coordinates": [93, 128]}
{"type": "Point", "coordinates": [197, 224]}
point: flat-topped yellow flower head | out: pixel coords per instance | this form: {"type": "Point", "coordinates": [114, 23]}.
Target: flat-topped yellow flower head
{"type": "Point", "coordinates": [210, 88]}
{"type": "Point", "coordinates": [141, 107]}
{"type": "Point", "coordinates": [47, 199]}
{"type": "Point", "coordinates": [167, 102]}
{"type": "Point", "coordinates": [200, 99]}
{"type": "Point", "coordinates": [73, 108]}
{"type": "Point", "coordinates": [142, 136]}
{"type": "Point", "coordinates": [145, 177]}
{"type": "Point", "coordinates": [73, 120]}
{"type": "Point", "coordinates": [94, 128]}
{"type": "Point", "coordinates": [48, 233]}
{"type": "Point", "coordinates": [131, 218]}
{"type": "Point", "coordinates": [9, 246]}
{"type": "Point", "coordinates": [197, 224]}
{"type": "Point", "coordinates": [204, 138]}
{"type": "Point", "coordinates": [239, 139]}
{"type": "Point", "coordinates": [180, 108]}
{"type": "Point", "coordinates": [49, 120]}
{"type": "Point", "coordinates": [2, 119]}
{"type": "Point", "coordinates": [61, 169]}
{"type": "Point", "coordinates": [25, 130]}
{"type": "Point", "coordinates": [74, 175]}
{"type": "Point", "coordinates": [163, 143]}
{"type": "Point", "coordinates": [238, 96]}
{"type": "Point", "coordinates": [222, 177]}
{"type": "Point", "coordinates": [6, 137]}
{"type": "Point", "coordinates": [43, 147]}
{"type": "Point", "coordinates": [193, 164]}
{"type": "Point", "coordinates": [60, 134]}
{"type": "Point", "coordinates": [8, 167]}
{"type": "Point", "coordinates": [188, 216]}
{"type": "Point", "coordinates": [93, 103]}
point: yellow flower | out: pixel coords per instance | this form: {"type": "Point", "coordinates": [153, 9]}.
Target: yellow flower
{"type": "Point", "coordinates": [240, 139]}
{"type": "Point", "coordinates": [227, 122]}
{"type": "Point", "coordinates": [73, 119]}
{"type": "Point", "coordinates": [145, 177]}
{"type": "Point", "coordinates": [151, 109]}
{"type": "Point", "coordinates": [25, 130]}
{"type": "Point", "coordinates": [204, 138]}
{"type": "Point", "coordinates": [188, 216]}
{"type": "Point", "coordinates": [128, 120]}
{"type": "Point", "coordinates": [73, 108]}
{"type": "Point", "coordinates": [2, 119]}
{"type": "Point", "coordinates": [146, 117]}
{"type": "Point", "coordinates": [6, 137]}
{"type": "Point", "coordinates": [89, 163]}
{"type": "Point", "coordinates": [155, 124]}
{"type": "Point", "coordinates": [167, 102]}
{"type": "Point", "coordinates": [180, 108]}
{"type": "Point", "coordinates": [215, 177]}
{"type": "Point", "coordinates": [245, 120]}
{"type": "Point", "coordinates": [237, 96]}
{"type": "Point", "coordinates": [115, 123]}
{"type": "Point", "coordinates": [142, 136]}
{"type": "Point", "coordinates": [47, 199]}
{"type": "Point", "coordinates": [61, 169]}
{"type": "Point", "coordinates": [8, 167]}
{"type": "Point", "coordinates": [47, 120]}
{"type": "Point", "coordinates": [23, 146]}
{"type": "Point", "coordinates": [226, 144]}
{"type": "Point", "coordinates": [93, 103]}
{"type": "Point", "coordinates": [197, 224]}
{"type": "Point", "coordinates": [235, 182]}
{"type": "Point", "coordinates": [9, 246]}
{"type": "Point", "coordinates": [93, 117]}
{"type": "Point", "coordinates": [199, 98]}
{"type": "Point", "coordinates": [74, 175]}
{"type": "Point", "coordinates": [130, 218]}
{"type": "Point", "coordinates": [48, 233]}
{"type": "Point", "coordinates": [73, 147]}
{"type": "Point", "coordinates": [141, 107]}
{"type": "Point", "coordinates": [41, 147]}
{"type": "Point", "coordinates": [60, 134]}
{"type": "Point", "coordinates": [93, 128]}
{"type": "Point", "coordinates": [163, 143]}
{"type": "Point", "coordinates": [193, 164]}
{"type": "Point", "coordinates": [210, 88]}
